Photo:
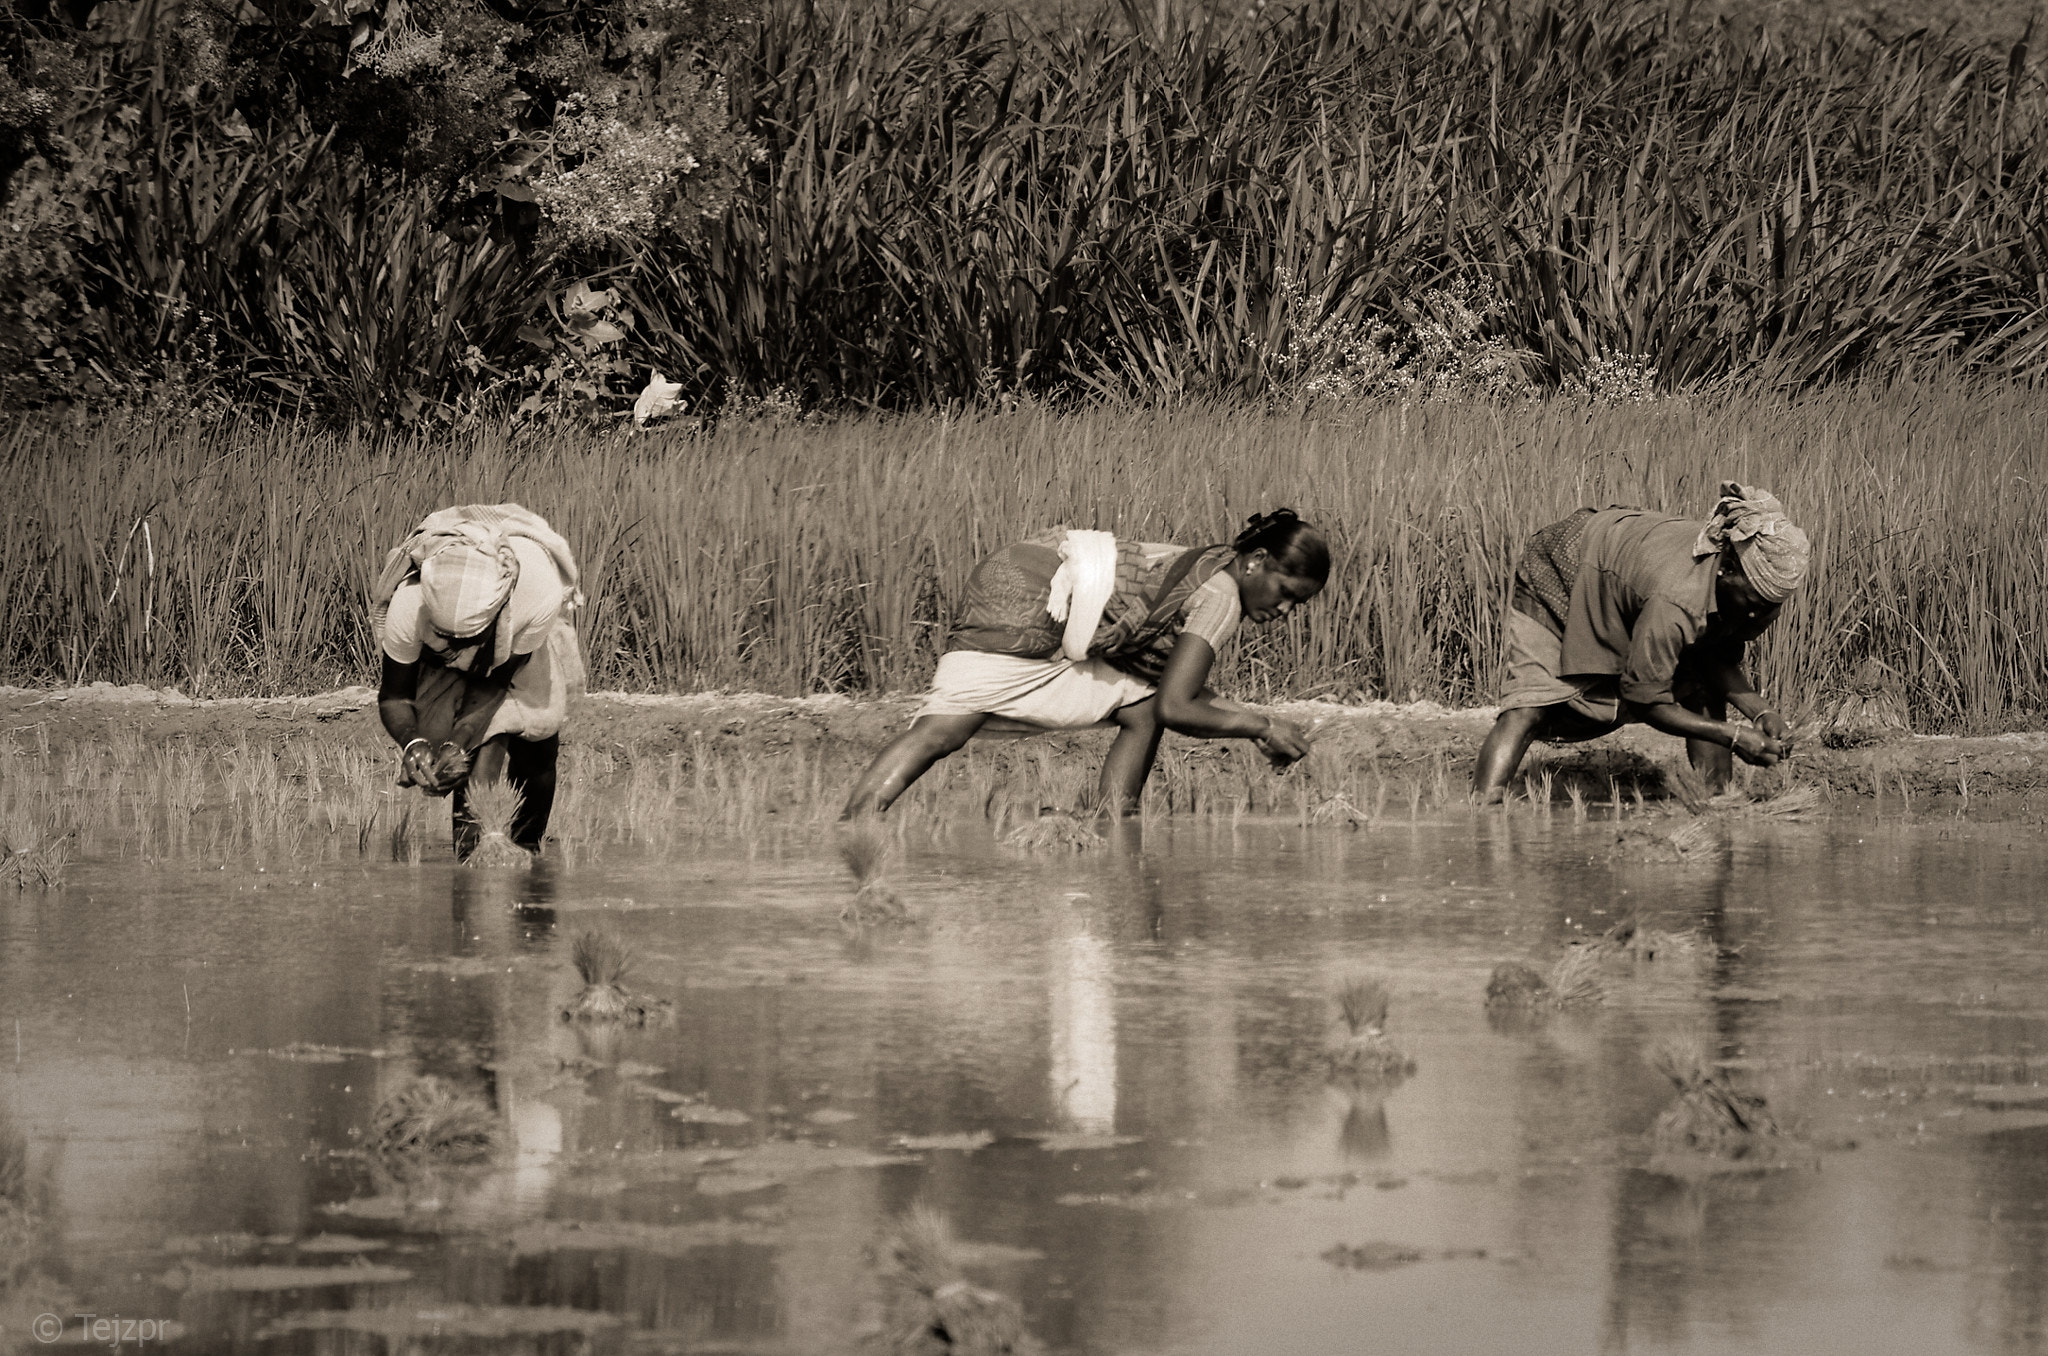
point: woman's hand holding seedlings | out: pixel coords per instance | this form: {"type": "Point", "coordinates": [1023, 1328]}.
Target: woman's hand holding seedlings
{"type": "Point", "coordinates": [1755, 746]}
{"type": "Point", "coordinates": [1284, 743]}
{"type": "Point", "coordinates": [1776, 726]}
{"type": "Point", "coordinates": [451, 765]}
{"type": "Point", "coordinates": [416, 764]}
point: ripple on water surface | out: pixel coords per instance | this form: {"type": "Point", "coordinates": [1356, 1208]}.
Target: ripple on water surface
{"type": "Point", "coordinates": [1108, 1074]}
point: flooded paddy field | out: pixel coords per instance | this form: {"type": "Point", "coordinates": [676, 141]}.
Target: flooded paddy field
{"type": "Point", "coordinates": [1113, 1077]}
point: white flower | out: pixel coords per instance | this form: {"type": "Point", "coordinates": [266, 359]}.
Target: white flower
{"type": "Point", "coordinates": [657, 399]}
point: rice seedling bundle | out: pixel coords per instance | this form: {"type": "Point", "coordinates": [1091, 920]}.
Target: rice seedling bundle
{"type": "Point", "coordinates": [603, 960]}
{"type": "Point", "coordinates": [930, 1308]}
{"type": "Point", "coordinates": [431, 1122]}
{"type": "Point", "coordinates": [1359, 1047]}
{"type": "Point", "coordinates": [1708, 1116]}
{"type": "Point", "coordinates": [494, 805]}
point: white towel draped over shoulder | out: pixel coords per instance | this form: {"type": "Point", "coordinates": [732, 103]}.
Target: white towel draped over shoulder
{"type": "Point", "coordinates": [1081, 587]}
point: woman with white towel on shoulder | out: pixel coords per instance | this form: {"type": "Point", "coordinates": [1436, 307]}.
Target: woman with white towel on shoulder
{"type": "Point", "coordinates": [1071, 628]}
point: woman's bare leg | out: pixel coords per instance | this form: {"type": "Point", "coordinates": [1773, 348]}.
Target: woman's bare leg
{"type": "Point", "coordinates": [909, 756]}
{"type": "Point", "coordinates": [1502, 752]}
{"type": "Point", "coordinates": [1129, 761]}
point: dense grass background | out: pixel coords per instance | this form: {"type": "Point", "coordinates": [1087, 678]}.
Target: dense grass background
{"type": "Point", "coordinates": [801, 558]}
{"type": "Point", "coordinates": [954, 203]}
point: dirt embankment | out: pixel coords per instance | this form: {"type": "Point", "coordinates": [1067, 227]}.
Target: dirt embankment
{"type": "Point", "coordinates": [2007, 768]}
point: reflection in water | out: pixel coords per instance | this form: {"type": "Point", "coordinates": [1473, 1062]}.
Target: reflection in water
{"type": "Point", "coordinates": [1083, 1034]}
{"type": "Point", "coordinates": [1171, 992]}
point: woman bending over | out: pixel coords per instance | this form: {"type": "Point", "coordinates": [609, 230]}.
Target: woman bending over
{"type": "Point", "coordinates": [1068, 629]}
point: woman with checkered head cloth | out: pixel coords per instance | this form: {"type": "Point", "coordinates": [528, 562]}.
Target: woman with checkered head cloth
{"type": "Point", "coordinates": [1071, 629]}
{"type": "Point", "coordinates": [473, 612]}
{"type": "Point", "coordinates": [1623, 616]}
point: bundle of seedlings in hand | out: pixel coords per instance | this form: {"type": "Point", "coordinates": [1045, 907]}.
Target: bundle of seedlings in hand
{"type": "Point", "coordinates": [930, 1308]}
{"type": "Point", "coordinates": [495, 804]}
{"type": "Point", "coordinates": [1632, 939]}
{"type": "Point", "coordinates": [1055, 831]}
{"type": "Point", "coordinates": [1709, 1117]}
{"type": "Point", "coordinates": [865, 849]}
{"type": "Point", "coordinates": [603, 960]}
{"type": "Point", "coordinates": [1573, 982]}
{"type": "Point", "coordinates": [429, 1123]}
{"type": "Point", "coordinates": [1359, 1047]}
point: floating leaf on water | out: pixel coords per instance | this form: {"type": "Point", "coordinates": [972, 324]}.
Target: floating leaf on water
{"type": "Point", "coordinates": [328, 1243]}
{"type": "Point", "coordinates": [734, 1183]}
{"type": "Point", "coordinates": [964, 1142]}
{"type": "Point", "coordinates": [1374, 1256]}
{"type": "Point", "coordinates": [200, 1280]}
{"type": "Point", "coordinates": [659, 1240]}
{"type": "Point", "coordinates": [453, 1321]}
{"type": "Point", "coordinates": [1073, 1143]}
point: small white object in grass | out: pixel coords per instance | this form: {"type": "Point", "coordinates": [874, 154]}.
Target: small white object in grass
{"type": "Point", "coordinates": [659, 397]}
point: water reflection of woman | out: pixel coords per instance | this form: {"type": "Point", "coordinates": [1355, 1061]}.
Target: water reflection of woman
{"type": "Point", "coordinates": [1068, 629]}
{"type": "Point", "coordinates": [1624, 616]}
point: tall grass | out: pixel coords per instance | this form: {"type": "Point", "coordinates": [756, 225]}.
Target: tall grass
{"type": "Point", "coordinates": [802, 558]}
{"type": "Point", "coordinates": [1114, 199]}
{"type": "Point", "coordinates": [953, 202]}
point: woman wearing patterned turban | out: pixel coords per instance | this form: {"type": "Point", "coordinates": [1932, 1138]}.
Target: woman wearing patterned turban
{"type": "Point", "coordinates": [473, 614]}
{"type": "Point", "coordinates": [1622, 616]}
{"type": "Point", "coordinates": [1071, 628]}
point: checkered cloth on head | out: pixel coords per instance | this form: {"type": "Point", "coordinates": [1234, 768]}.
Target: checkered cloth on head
{"type": "Point", "coordinates": [465, 566]}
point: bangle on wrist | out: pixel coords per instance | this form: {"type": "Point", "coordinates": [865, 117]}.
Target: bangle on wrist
{"type": "Point", "coordinates": [416, 739]}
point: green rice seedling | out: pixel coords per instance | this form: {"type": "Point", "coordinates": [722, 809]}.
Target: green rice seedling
{"type": "Point", "coordinates": [1799, 802]}
{"type": "Point", "coordinates": [1708, 1116]}
{"type": "Point", "coordinates": [430, 1123]}
{"type": "Point", "coordinates": [1055, 832]}
{"type": "Point", "coordinates": [1574, 981]}
{"type": "Point", "coordinates": [495, 804]}
{"type": "Point", "coordinates": [1338, 809]}
{"type": "Point", "coordinates": [1513, 985]}
{"type": "Point", "coordinates": [929, 1306]}
{"type": "Point", "coordinates": [1359, 1047]}
{"type": "Point", "coordinates": [1686, 786]}
{"type": "Point", "coordinates": [603, 960]}
{"type": "Point", "coordinates": [1631, 939]}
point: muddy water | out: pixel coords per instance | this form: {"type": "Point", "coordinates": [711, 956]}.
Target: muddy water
{"type": "Point", "coordinates": [1104, 1069]}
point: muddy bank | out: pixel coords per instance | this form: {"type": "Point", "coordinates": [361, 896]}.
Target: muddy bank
{"type": "Point", "coordinates": [2001, 773]}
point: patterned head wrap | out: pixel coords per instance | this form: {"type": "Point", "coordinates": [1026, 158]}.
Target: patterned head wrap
{"type": "Point", "coordinates": [465, 577]}
{"type": "Point", "coordinates": [1773, 552]}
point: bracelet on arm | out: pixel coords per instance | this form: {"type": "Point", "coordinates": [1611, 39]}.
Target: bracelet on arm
{"type": "Point", "coordinates": [416, 739]}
